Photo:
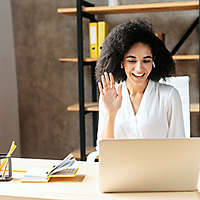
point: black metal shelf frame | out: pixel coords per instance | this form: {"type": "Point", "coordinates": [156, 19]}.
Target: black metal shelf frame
{"type": "Point", "coordinates": [195, 24]}
{"type": "Point", "coordinates": [82, 113]}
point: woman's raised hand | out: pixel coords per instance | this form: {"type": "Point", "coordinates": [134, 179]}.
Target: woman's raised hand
{"type": "Point", "coordinates": [112, 98]}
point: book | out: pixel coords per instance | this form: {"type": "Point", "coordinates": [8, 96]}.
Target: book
{"type": "Point", "coordinates": [62, 170]}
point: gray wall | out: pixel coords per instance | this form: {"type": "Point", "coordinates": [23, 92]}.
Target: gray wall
{"type": "Point", "coordinates": [46, 86]}
{"type": "Point", "coordinates": [9, 119]}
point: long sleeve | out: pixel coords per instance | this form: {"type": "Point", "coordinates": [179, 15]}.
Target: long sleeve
{"type": "Point", "coordinates": [175, 115]}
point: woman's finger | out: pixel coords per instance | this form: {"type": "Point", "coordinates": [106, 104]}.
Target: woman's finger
{"type": "Point", "coordinates": [105, 86]}
{"type": "Point", "coordinates": [100, 87]}
{"type": "Point", "coordinates": [112, 80]}
{"type": "Point", "coordinates": [107, 79]}
{"type": "Point", "coordinates": [119, 91]}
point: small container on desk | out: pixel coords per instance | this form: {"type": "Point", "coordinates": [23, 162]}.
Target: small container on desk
{"type": "Point", "coordinates": [8, 172]}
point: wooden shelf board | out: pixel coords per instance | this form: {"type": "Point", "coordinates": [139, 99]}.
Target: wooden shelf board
{"type": "Point", "coordinates": [89, 106]}
{"type": "Point", "coordinates": [76, 59]}
{"type": "Point", "coordinates": [176, 57]}
{"type": "Point", "coordinates": [93, 106]}
{"type": "Point", "coordinates": [150, 7]}
{"type": "Point", "coordinates": [186, 57]}
{"type": "Point", "coordinates": [194, 107]}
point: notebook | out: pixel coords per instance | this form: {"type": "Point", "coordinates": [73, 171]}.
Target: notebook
{"type": "Point", "coordinates": [63, 170]}
{"type": "Point", "coordinates": [149, 165]}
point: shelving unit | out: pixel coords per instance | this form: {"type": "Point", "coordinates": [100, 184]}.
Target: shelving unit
{"type": "Point", "coordinates": [87, 10]}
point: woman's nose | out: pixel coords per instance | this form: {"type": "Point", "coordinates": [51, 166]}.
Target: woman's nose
{"type": "Point", "coordinates": [139, 66]}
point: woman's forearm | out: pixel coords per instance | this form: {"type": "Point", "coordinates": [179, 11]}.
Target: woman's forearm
{"type": "Point", "coordinates": [108, 130]}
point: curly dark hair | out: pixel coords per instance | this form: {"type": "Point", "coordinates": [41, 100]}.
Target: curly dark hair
{"type": "Point", "coordinates": [121, 39]}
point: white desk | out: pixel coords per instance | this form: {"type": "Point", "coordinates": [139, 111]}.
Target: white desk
{"type": "Point", "coordinates": [84, 187]}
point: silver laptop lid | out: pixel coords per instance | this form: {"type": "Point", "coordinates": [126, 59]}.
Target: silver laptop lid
{"type": "Point", "coordinates": [148, 165]}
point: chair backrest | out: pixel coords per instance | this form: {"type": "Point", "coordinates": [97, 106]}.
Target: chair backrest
{"type": "Point", "coordinates": [181, 83]}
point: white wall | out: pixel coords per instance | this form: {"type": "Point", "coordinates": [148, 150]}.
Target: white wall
{"type": "Point", "coordinates": [9, 120]}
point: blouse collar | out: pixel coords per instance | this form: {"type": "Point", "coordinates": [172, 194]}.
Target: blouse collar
{"type": "Point", "coordinates": [126, 102]}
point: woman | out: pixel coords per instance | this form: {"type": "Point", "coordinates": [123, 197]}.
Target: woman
{"type": "Point", "coordinates": [133, 104]}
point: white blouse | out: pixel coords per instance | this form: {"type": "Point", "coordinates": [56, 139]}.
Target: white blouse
{"type": "Point", "coordinates": [159, 114]}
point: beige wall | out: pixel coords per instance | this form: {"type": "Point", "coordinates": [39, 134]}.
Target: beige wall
{"type": "Point", "coordinates": [46, 86]}
{"type": "Point", "coordinates": [9, 119]}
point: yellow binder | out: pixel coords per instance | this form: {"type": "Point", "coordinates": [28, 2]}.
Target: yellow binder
{"type": "Point", "coordinates": [102, 33]}
{"type": "Point", "coordinates": [93, 36]}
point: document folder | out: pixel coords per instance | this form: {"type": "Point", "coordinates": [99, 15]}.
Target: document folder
{"type": "Point", "coordinates": [93, 37]}
{"type": "Point", "coordinates": [102, 33]}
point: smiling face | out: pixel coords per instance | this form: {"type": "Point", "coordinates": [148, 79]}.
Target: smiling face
{"type": "Point", "coordinates": [137, 63]}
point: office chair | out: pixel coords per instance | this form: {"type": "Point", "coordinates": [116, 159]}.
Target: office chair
{"type": "Point", "coordinates": [181, 83]}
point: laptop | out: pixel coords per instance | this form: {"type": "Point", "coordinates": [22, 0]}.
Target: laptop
{"type": "Point", "coordinates": [149, 165]}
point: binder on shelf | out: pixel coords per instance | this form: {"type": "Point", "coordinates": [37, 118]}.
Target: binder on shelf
{"type": "Point", "coordinates": [102, 33]}
{"type": "Point", "coordinates": [93, 37]}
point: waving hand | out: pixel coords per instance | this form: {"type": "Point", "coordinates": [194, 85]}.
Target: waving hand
{"type": "Point", "coordinates": [111, 97]}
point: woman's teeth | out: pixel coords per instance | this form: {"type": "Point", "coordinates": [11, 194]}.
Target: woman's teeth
{"type": "Point", "coordinates": [138, 75]}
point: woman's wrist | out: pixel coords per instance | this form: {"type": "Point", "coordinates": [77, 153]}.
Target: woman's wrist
{"type": "Point", "coordinates": [111, 115]}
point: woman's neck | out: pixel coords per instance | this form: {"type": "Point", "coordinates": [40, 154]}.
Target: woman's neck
{"type": "Point", "coordinates": [135, 88]}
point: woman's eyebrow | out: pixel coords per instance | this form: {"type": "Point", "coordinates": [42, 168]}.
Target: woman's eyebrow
{"type": "Point", "coordinates": [148, 57]}
{"type": "Point", "coordinates": [130, 56]}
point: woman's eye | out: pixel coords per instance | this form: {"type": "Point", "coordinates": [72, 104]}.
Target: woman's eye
{"type": "Point", "coordinates": [147, 61]}
{"type": "Point", "coordinates": [132, 61]}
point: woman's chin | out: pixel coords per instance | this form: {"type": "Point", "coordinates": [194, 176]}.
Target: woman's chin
{"type": "Point", "coordinates": [138, 80]}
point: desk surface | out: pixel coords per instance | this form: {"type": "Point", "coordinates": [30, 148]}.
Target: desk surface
{"type": "Point", "coordinates": [84, 186]}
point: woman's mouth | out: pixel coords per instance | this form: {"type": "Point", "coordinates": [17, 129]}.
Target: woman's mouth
{"type": "Point", "coordinates": [138, 75]}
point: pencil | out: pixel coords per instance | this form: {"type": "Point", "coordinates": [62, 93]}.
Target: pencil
{"type": "Point", "coordinates": [20, 171]}
{"type": "Point", "coordinates": [4, 171]}
{"type": "Point", "coordinates": [12, 148]}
